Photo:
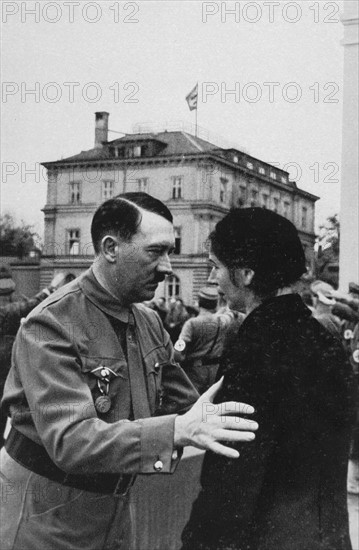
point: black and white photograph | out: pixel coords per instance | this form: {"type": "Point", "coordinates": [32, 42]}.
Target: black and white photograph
{"type": "Point", "coordinates": [179, 275]}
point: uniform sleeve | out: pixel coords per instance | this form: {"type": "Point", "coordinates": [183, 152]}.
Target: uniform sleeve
{"type": "Point", "coordinates": [186, 332]}
{"type": "Point", "coordinates": [47, 363]}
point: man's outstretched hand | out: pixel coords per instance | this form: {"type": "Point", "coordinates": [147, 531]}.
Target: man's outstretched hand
{"type": "Point", "coordinates": [206, 424]}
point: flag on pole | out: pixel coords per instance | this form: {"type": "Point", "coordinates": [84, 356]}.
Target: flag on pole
{"type": "Point", "coordinates": [192, 98]}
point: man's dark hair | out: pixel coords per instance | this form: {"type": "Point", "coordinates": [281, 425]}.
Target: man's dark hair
{"type": "Point", "coordinates": [122, 216]}
{"type": "Point", "coordinates": [261, 240]}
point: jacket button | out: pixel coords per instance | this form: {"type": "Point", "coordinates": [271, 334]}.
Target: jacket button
{"type": "Point", "coordinates": [158, 465]}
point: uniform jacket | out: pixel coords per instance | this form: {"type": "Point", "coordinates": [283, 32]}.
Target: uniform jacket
{"type": "Point", "coordinates": [50, 391]}
{"type": "Point", "coordinates": [204, 336]}
{"type": "Point", "coordinates": [287, 490]}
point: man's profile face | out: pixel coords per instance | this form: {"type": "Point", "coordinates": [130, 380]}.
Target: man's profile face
{"type": "Point", "coordinates": [144, 261]}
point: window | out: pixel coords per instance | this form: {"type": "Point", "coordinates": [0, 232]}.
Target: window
{"type": "Point", "coordinates": [107, 190]}
{"type": "Point", "coordinates": [242, 195]}
{"type": "Point", "coordinates": [286, 209]}
{"type": "Point", "coordinates": [142, 185]}
{"type": "Point", "coordinates": [118, 152]}
{"type": "Point", "coordinates": [134, 151]}
{"type": "Point", "coordinates": [223, 190]}
{"type": "Point", "coordinates": [235, 159]}
{"type": "Point", "coordinates": [273, 175]}
{"type": "Point", "coordinates": [177, 187]}
{"type": "Point", "coordinates": [265, 199]}
{"type": "Point", "coordinates": [275, 204]}
{"type": "Point", "coordinates": [73, 242]}
{"type": "Point", "coordinates": [250, 165]}
{"type": "Point", "coordinates": [304, 217]}
{"type": "Point", "coordinates": [284, 180]}
{"type": "Point", "coordinates": [75, 192]}
{"type": "Point", "coordinates": [173, 287]}
{"type": "Point", "coordinates": [261, 170]}
{"type": "Point", "coordinates": [177, 249]}
{"type": "Point", "coordinates": [254, 197]}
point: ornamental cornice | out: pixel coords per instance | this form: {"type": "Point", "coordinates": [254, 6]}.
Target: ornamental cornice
{"type": "Point", "coordinates": [208, 208]}
{"type": "Point", "coordinates": [83, 208]}
{"type": "Point", "coordinates": [186, 158]}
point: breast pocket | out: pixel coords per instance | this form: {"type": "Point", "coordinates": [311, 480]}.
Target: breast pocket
{"type": "Point", "coordinates": [155, 361]}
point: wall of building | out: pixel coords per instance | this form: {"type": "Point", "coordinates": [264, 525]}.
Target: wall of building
{"type": "Point", "coordinates": [349, 200]}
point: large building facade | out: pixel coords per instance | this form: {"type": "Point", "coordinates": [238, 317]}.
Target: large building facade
{"type": "Point", "coordinates": [198, 181]}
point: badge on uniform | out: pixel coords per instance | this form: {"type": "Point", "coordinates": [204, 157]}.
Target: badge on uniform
{"type": "Point", "coordinates": [180, 345]}
{"type": "Point", "coordinates": [348, 334]}
{"type": "Point", "coordinates": [356, 356]}
{"type": "Point", "coordinates": [103, 404]}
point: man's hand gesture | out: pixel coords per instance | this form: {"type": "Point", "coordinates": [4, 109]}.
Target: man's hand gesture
{"type": "Point", "coordinates": [206, 424]}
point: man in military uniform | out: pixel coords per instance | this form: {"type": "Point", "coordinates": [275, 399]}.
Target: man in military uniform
{"type": "Point", "coordinates": [200, 344]}
{"type": "Point", "coordinates": [12, 310]}
{"type": "Point", "coordinates": [94, 394]}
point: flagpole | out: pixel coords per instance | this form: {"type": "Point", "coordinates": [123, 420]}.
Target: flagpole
{"type": "Point", "coordinates": [196, 128]}
{"type": "Point", "coordinates": [192, 101]}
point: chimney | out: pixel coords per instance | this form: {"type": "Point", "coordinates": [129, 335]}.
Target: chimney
{"type": "Point", "coordinates": [101, 128]}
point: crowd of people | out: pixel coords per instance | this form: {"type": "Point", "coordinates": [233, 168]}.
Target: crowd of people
{"type": "Point", "coordinates": [338, 312]}
{"type": "Point", "coordinates": [267, 386]}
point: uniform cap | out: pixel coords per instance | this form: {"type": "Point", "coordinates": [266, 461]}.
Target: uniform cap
{"type": "Point", "coordinates": [323, 291]}
{"type": "Point", "coordinates": [208, 293]}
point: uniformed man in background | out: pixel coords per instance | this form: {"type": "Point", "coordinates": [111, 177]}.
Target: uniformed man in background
{"type": "Point", "coordinates": [200, 344]}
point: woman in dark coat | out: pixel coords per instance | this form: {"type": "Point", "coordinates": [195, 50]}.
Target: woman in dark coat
{"type": "Point", "coordinates": [287, 489]}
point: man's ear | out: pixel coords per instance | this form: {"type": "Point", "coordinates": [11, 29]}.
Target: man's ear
{"type": "Point", "coordinates": [109, 248]}
{"type": "Point", "coordinates": [244, 275]}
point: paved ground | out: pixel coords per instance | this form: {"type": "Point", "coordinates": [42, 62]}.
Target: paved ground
{"type": "Point", "coordinates": [353, 506]}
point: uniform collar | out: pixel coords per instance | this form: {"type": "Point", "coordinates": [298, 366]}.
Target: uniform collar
{"type": "Point", "coordinates": [102, 299]}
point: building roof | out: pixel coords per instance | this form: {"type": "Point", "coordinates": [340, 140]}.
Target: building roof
{"type": "Point", "coordinates": [97, 153]}
{"type": "Point", "coordinates": [134, 137]}
{"type": "Point", "coordinates": [174, 143]}
{"type": "Point", "coordinates": [179, 143]}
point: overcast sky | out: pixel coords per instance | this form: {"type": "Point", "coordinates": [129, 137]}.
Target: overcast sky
{"type": "Point", "coordinates": [138, 61]}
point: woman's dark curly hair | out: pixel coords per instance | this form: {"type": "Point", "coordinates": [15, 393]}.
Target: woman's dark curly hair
{"type": "Point", "coordinates": [263, 241]}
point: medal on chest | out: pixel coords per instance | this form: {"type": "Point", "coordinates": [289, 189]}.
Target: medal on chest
{"type": "Point", "coordinates": [103, 402]}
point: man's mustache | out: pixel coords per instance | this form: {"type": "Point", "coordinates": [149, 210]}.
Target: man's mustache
{"type": "Point", "coordinates": [159, 278]}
